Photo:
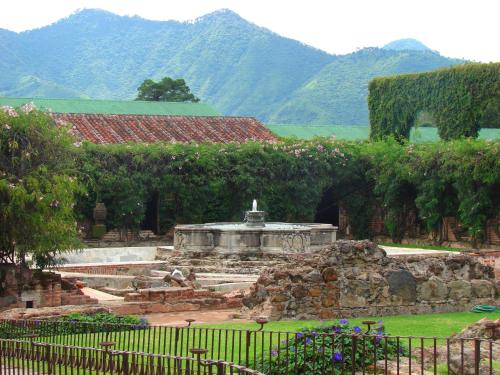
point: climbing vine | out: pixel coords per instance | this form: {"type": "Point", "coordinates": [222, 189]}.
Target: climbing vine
{"type": "Point", "coordinates": [461, 99]}
{"type": "Point", "coordinates": [198, 183]}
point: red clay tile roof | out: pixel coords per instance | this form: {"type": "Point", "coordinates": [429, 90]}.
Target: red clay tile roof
{"type": "Point", "coordinates": [101, 128]}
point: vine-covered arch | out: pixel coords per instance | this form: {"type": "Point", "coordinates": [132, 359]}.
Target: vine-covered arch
{"type": "Point", "coordinates": [462, 99]}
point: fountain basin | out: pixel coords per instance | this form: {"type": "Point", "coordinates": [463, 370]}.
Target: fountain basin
{"type": "Point", "coordinates": [244, 239]}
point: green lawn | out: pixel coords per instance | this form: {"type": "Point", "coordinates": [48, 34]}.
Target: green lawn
{"type": "Point", "coordinates": [239, 342]}
{"type": "Point", "coordinates": [440, 325]}
{"type": "Point", "coordinates": [426, 247]}
{"type": "Point", "coordinates": [360, 132]}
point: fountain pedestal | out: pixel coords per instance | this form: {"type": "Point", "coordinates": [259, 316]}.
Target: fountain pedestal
{"type": "Point", "coordinates": [255, 219]}
{"type": "Point", "coordinates": [253, 237]}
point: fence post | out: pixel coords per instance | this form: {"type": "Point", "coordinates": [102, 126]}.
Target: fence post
{"type": "Point", "coordinates": [353, 354]}
{"type": "Point", "coordinates": [48, 358]}
{"type": "Point", "coordinates": [125, 369]}
{"type": "Point", "coordinates": [247, 349]}
{"type": "Point", "coordinates": [477, 355]}
{"type": "Point", "coordinates": [220, 368]}
{"type": "Point", "coordinates": [176, 339]}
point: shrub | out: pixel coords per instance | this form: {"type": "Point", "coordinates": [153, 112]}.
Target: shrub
{"type": "Point", "coordinates": [329, 349]}
{"type": "Point", "coordinates": [71, 324]}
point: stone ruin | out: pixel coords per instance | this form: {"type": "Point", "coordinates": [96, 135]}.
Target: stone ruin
{"type": "Point", "coordinates": [21, 287]}
{"type": "Point", "coordinates": [356, 278]}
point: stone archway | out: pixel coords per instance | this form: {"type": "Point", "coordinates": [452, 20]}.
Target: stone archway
{"type": "Point", "coordinates": [327, 211]}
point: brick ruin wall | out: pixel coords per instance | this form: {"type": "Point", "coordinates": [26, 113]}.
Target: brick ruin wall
{"type": "Point", "coordinates": [21, 287]}
{"type": "Point", "coordinates": [356, 278]}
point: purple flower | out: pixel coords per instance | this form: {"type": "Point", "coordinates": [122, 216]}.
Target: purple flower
{"type": "Point", "coordinates": [300, 335]}
{"type": "Point", "coordinates": [274, 352]}
{"type": "Point", "coordinates": [314, 334]}
{"type": "Point", "coordinates": [337, 357]}
{"type": "Point", "coordinates": [308, 341]}
{"type": "Point", "coordinates": [343, 322]}
{"type": "Point", "coordinates": [356, 329]}
{"type": "Point", "coordinates": [284, 342]}
{"type": "Point", "coordinates": [380, 321]}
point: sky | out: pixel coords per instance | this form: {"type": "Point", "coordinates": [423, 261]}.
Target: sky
{"type": "Point", "coordinates": [455, 28]}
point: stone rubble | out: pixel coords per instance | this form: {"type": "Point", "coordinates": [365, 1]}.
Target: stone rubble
{"type": "Point", "coordinates": [356, 278]}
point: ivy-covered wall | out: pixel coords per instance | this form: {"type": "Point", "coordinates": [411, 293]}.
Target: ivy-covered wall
{"type": "Point", "coordinates": [204, 183]}
{"type": "Point", "coordinates": [461, 99]}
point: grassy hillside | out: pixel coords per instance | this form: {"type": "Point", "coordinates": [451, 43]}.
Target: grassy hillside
{"type": "Point", "coordinates": [240, 68]}
{"type": "Point", "coordinates": [420, 134]}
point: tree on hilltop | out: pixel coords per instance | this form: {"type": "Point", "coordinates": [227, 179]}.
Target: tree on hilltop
{"type": "Point", "coordinates": [166, 90]}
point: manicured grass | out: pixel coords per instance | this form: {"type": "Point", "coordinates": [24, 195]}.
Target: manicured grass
{"type": "Point", "coordinates": [360, 132]}
{"type": "Point", "coordinates": [228, 345]}
{"type": "Point", "coordinates": [426, 247]}
{"type": "Point", "coordinates": [440, 325]}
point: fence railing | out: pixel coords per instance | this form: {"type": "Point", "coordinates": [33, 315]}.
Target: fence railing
{"type": "Point", "coordinates": [19, 357]}
{"type": "Point", "coordinates": [273, 352]}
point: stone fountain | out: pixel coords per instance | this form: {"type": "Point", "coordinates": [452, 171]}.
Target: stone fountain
{"type": "Point", "coordinates": [254, 236]}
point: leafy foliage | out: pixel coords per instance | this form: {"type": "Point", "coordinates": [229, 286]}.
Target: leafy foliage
{"type": "Point", "coordinates": [240, 68]}
{"type": "Point", "coordinates": [37, 187]}
{"type": "Point", "coordinates": [430, 181]}
{"type": "Point", "coordinates": [461, 99]}
{"type": "Point", "coordinates": [72, 324]}
{"type": "Point", "coordinates": [166, 90]}
{"type": "Point", "coordinates": [330, 349]}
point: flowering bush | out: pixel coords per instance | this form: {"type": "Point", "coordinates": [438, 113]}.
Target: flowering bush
{"type": "Point", "coordinates": [294, 181]}
{"type": "Point", "coordinates": [330, 348]}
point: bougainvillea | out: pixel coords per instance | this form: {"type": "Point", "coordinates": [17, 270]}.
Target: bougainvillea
{"type": "Point", "coordinates": [198, 183]}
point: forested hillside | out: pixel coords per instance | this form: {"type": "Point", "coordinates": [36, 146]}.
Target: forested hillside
{"type": "Point", "coordinates": [240, 68]}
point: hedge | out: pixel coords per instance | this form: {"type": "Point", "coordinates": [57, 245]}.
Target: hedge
{"type": "Point", "coordinates": [461, 99]}
{"type": "Point", "coordinates": [198, 183]}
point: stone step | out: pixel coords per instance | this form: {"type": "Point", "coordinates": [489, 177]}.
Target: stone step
{"type": "Point", "coordinates": [212, 269]}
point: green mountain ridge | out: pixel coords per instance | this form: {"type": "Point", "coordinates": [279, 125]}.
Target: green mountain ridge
{"type": "Point", "coordinates": [237, 66]}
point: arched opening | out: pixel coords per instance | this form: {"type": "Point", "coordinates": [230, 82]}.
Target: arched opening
{"type": "Point", "coordinates": [152, 215]}
{"type": "Point", "coordinates": [328, 209]}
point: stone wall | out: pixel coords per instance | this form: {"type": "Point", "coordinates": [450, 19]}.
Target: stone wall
{"type": "Point", "coordinates": [120, 268]}
{"type": "Point", "coordinates": [173, 299]}
{"type": "Point", "coordinates": [356, 278]}
{"type": "Point", "coordinates": [111, 254]}
{"type": "Point", "coordinates": [21, 287]}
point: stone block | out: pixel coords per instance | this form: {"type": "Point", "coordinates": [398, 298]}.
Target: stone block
{"type": "Point", "coordinates": [402, 284]}
{"type": "Point", "coordinates": [279, 297]}
{"type": "Point", "coordinates": [329, 274]}
{"type": "Point", "coordinates": [315, 292]}
{"type": "Point", "coordinates": [434, 289]}
{"type": "Point", "coordinates": [482, 289]}
{"type": "Point", "coordinates": [299, 291]}
{"type": "Point", "coordinates": [459, 289]}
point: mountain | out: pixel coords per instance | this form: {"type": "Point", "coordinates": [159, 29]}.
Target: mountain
{"type": "Point", "coordinates": [337, 94]}
{"type": "Point", "coordinates": [406, 45]}
{"type": "Point", "coordinates": [240, 68]}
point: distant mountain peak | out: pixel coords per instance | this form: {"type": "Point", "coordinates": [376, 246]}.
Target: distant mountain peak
{"type": "Point", "coordinates": [407, 44]}
{"type": "Point", "coordinates": [91, 12]}
{"type": "Point", "coordinates": [223, 13]}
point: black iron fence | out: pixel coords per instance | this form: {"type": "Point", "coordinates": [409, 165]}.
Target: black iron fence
{"type": "Point", "coordinates": [19, 357]}
{"type": "Point", "coordinates": [327, 351]}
